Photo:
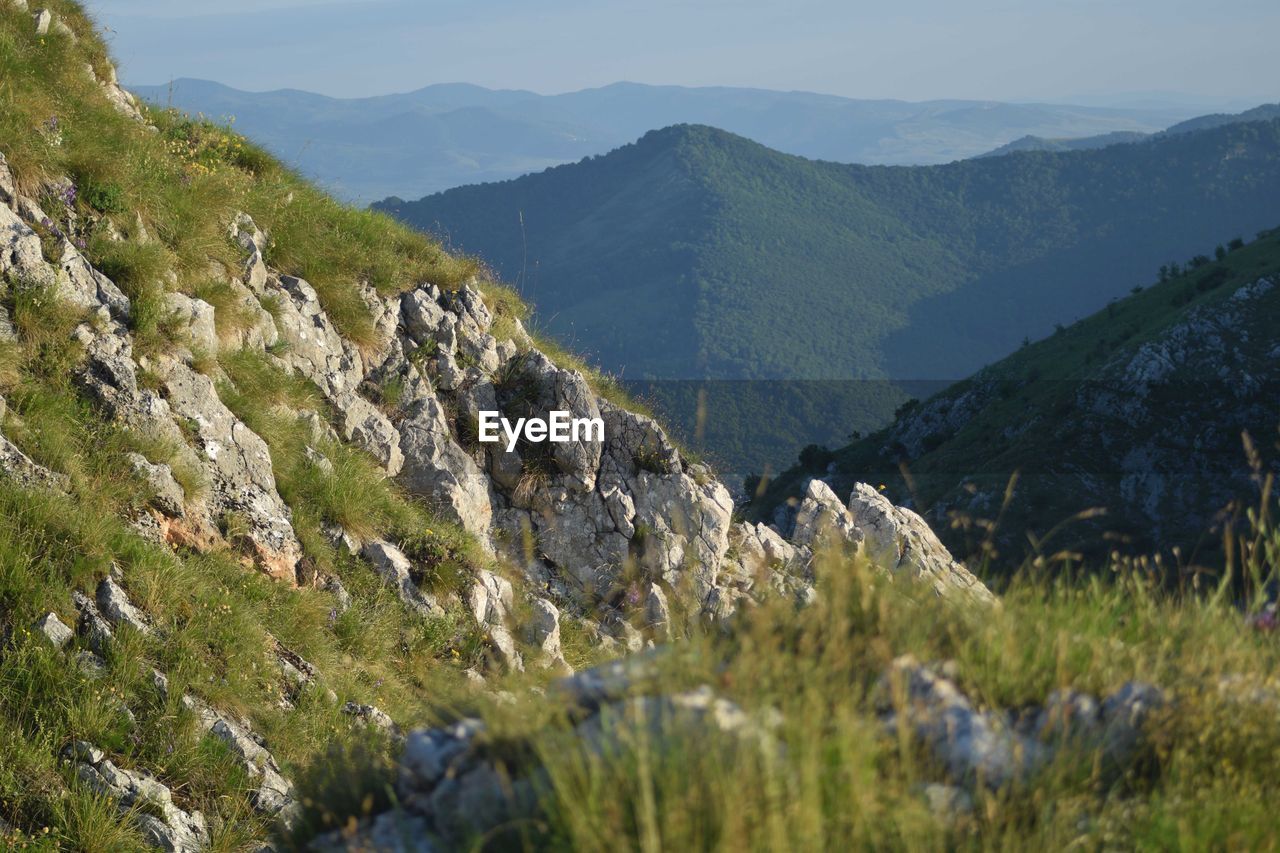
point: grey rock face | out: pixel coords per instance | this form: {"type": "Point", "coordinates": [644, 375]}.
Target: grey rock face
{"type": "Point", "coordinates": [92, 626]}
{"type": "Point", "coordinates": [239, 465]}
{"type": "Point", "coordinates": [437, 469]}
{"type": "Point", "coordinates": [316, 350]}
{"type": "Point", "coordinates": [82, 285]}
{"type": "Point", "coordinates": [18, 466]}
{"type": "Point", "coordinates": [452, 788]}
{"type": "Point", "coordinates": [275, 794]}
{"type": "Point", "coordinates": [544, 635]}
{"type": "Point", "coordinates": [394, 567]}
{"type": "Point", "coordinates": [372, 716]}
{"type": "Point", "coordinates": [114, 604]}
{"type": "Point", "coordinates": [975, 747]}
{"type": "Point", "coordinates": [53, 630]}
{"type": "Point", "coordinates": [492, 600]}
{"type": "Point", "coordinates": [168, 495]}
{"type": "Point", "coordinates": [993, 749]}
{"type": "Point", "coordinates": [21, 256]}
{"type": "Point", "coordinates": [361, 422]}
{"type": "Point", "coordinates": [145, 799]}
{"type": "Point", "coordinates": [899, 540]}
{"type": "Point", "coordinates": [197, 318]}
{"type": "Point", "coordinates": [823, 519]}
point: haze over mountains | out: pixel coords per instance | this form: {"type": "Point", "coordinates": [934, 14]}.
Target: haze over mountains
{"type": "Point", "coordinates": [697, 254]}
{"type": "Point", "coordinates": [443, 136]}
{"type": "Point", "coordinates": [1040, 143]}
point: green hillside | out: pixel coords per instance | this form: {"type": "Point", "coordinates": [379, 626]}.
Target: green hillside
{"type": "Point", "coordinates": [696, 254]}
{"type": "Point", "coordinates": [1137, 410]}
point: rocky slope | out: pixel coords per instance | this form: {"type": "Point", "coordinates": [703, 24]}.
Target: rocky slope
{"type": "Point", "coordinates": [625, 538]}
{"type": "Point", "coordinates": [1157, 413]}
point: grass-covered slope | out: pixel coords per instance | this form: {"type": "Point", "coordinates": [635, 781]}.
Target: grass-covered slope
{"type": "Point", "coordinates": [150, 204]}
{"type": "Point", "coordinates": [696, 254]}
{"type": "Point", "coordinates": [1138, 410]}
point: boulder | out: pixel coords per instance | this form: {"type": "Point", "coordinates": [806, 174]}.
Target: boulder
{"type": "Point", "coordinates": [394, 568]}
{"type": "Point", "coordinates": [239, 464]}
{"type": "Point", "coordinates": [114, 604]}
{"type": "Point", "coordinates": [52, 629]}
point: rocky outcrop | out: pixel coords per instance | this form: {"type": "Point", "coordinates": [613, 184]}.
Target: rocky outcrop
{"type": "Point", "coordinates": [453, 786]}
{"type": "Point", "coordinates": [620, 529]}
{"type": "Point", "coordinates": [274, 795]}
{"type": "Point", "coordinates": [994, 748]}
{"type": "Point", "coordinates": [144, 799]}
{"type": "Point", "coordinates": [891, 538]}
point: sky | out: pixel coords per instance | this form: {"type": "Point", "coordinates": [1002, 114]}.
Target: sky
{"type": "Point", "coordinates": [1086, 51]}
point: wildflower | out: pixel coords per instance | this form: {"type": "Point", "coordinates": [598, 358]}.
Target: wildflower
{"type": "Point", "coordinates": [1266, 620]}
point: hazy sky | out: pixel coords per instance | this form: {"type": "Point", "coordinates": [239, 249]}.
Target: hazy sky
{"type": "Point", "coordinates": [911, 49]}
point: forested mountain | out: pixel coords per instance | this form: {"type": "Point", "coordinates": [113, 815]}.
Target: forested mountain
{"type": "Point", "coordinates": [1138, 410]}
{"type": "Point", "coordinates": [447, 135]}
{"type": "Point", "coordinates": [695, 254]}
{"type": "Point", "coordinates": [1265, 112]}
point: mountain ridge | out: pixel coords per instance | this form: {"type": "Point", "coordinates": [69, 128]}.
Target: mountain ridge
{"type": "Point", "coordinates": [1137, 411]}
{"type": "Point", "coordinates": [568, 126]}
{"type": "Point", "coordinates": [672, 258]}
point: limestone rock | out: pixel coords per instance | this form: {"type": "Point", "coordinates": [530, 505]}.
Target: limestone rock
{"type": "Point", "coordinates": [275, 794]}
{"type": "Point", "coordinates": [491, 600]}
{"type": "Point", "coordinates": [17, 465]}
{"type": "Point", "coordinates": [394, 568]}
{"type": "Point", "coordinates": [239, 464]}
{"type": "Point", "coordinates": [974, 747]}
{"type": "Point", "coordinates": [898, 540]}
{"type": "Point", "coordinates": [92, 626]}
{"type": "Point", "coordinates": [373, 717]}
{"type": "Point", "coordinates": [147, 801]}
{"type": "Point", "coordinates": [437, 469]}
{"type": "Point", "coordinates": [822, 519]}
{"type": "Point", "coordinates": [21, 256]}
{"type": "Point", "coordinates": [197, 318]}
{"type": "Point", "coordinates": [53, 630]}
{"type": "Point", "coordinates": [315, 350]}
{"type": "Point", "coordinates": [114, 604]}
{"type": "Point", "coordinates": [168, 496]}
{"type": "Point", "coordinates": [544, 634]}
{"type": "Point", "coordinates": [361, 422]}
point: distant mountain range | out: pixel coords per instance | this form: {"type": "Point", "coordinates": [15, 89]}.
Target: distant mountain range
{"type": "Point", "coordinates": [449, 135]}
{"type": "Point", "coordinates": [1138, 410]}
{"type": "Point", "coordinates": [696, 254]}
{"type": "Point", "coordinates": [1083, 143]}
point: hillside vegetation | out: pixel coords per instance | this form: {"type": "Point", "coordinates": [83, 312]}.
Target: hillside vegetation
{"type": "Point", "coordinates": [696, 254]}
{"type": "Point", "coordinates": [1150, 423]}
{"type": "Point", "coordinates": [452, 134]}
{"type": "Point", "coordinates": [1265, 112]}
{"type": "Point", "coordinates": [261, 588]}
{"type": "Point", "coordinates": [152, 206]}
